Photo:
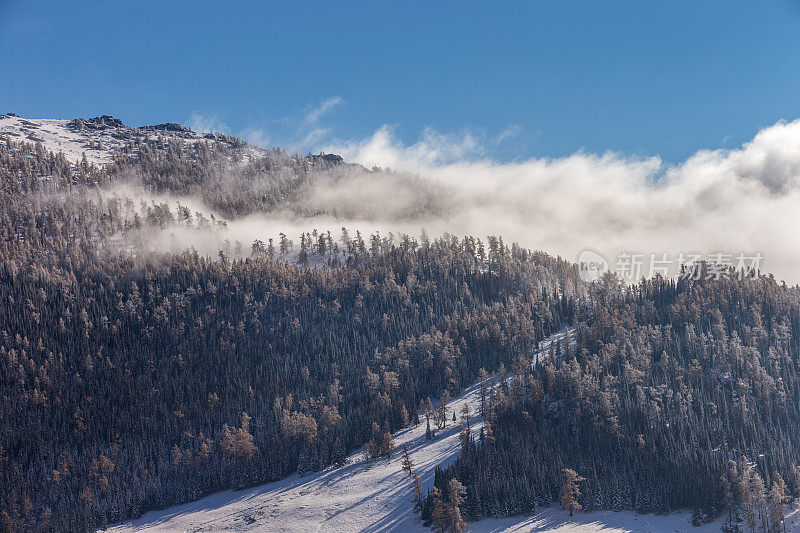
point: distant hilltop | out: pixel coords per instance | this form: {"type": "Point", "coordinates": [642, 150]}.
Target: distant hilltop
{"type": "Point", "coordinates": [100, 136]}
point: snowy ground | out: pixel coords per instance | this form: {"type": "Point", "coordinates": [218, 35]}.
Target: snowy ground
{"type": "Point", "coordinates": [361, 496]}
{"type": "Point", "coordinates": [558, 521]}
{"type": "Point", "coordinates": [57, 136]}
{"type": "Point", "coordinates": [376, 496]}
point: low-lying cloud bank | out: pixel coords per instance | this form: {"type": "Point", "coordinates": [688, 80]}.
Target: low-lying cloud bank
{"type": "Point", "coordinates": [743, 200]}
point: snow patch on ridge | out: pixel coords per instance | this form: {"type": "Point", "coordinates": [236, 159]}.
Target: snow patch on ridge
{"type": "Point", "coordinates": [98, 143]}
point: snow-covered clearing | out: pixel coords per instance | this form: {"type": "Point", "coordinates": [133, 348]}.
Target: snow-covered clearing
{"type": "Point", "coordinates": [376, 496]}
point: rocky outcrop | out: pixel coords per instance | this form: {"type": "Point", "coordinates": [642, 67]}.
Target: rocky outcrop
{"type": "Point", "coordinates": [328, 159]}
{"type": "Point", "coordinates": [167, 126]}
{"type": "Point", "coordinates": [102, 122]}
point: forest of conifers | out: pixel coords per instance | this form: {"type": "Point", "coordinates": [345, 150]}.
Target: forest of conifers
{"type": "Point", "coordinates": [679, 395]}
{"type": "Point", "coordinates": [136, 380]}
{"type": "Point", "coordinates": [134, 377]}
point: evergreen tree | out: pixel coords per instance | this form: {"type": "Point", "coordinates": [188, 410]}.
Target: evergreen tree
{"type": "Point", "coordinates": [776, 500]}
{"type": "Point", "coordinates": [455, 499]}
{"type": "Point", "coordinates": [408, 464]}
{"type": "Point", "coordinates": [439, 516]}
{"type": "Point", "coordinates": [570, 492]}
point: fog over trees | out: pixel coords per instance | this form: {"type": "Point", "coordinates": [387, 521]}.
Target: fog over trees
{"type": "Point", "coordinates": [150, 355]}
{"type": "Point", "coordinates": [133, 379]}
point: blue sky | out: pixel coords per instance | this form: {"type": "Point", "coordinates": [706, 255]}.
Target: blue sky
{"type": "Point", "coordinates": [525, 78]}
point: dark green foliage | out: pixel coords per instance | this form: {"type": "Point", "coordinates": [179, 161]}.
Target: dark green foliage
{"type": "Point", "coordinates": [133, 381]}
{"type": "Point", "coordinates": [671, 384]}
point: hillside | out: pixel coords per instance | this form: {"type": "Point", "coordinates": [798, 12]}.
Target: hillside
{"type": "Point", "coordinates": [99, 137]}
{"type": "Point", "coordinates": [140, 377]}
{"type": "Point", "coordinates": [177, 342]}
{"type": "Point", "coordinates": [376, 495]}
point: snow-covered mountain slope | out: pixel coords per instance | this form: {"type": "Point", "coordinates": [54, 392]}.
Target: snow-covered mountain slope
{"type": "Point", "coordinates": [97, 137]}
{"type": "Point", "coordinates": [361, 496]}
{"type": "Point", "coordinates": [375, 495]}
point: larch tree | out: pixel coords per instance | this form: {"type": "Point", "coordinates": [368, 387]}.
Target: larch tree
{"type": "Point", "coordinates": [404, 419]}
{"type": "Point", "coordinates": [570, 492]}
{"type": "Point", "coordinates": [776, 500]}
{"type": "Point", "coordinates": [416, 487]}
{"type": "Point", "coordinates": [464, 438]}
{"type": "Point", "coordinates": [439, 519]}
{"type": "Point", "coordinates": [239, 442]}
{"type": "Point", "coordinates": [758, 490]}
{"type": "Point", "coordinates": [442, 411]}
{"type": "Point", "coordinates": [456, 493]}
{"type": "Point", "coordinates": [483, 379]}
{"type": "Point", "coordinates": [387, 445]}
{"type": "Point", "coordinates": [408, 464]}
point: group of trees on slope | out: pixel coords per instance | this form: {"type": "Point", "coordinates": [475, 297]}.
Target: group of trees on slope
{"type": "Point", "coordinates": [681, 394]}
{"type": "Point", "coordinates": [131, 381]}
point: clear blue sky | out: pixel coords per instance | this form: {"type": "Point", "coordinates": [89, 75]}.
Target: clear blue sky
{"type": "Point", "coordinates": [643, 78]}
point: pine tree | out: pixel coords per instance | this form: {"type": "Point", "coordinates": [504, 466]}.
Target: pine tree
{"type": "Point", "coordinates": [439, 516]}
{"type": "Point", "coordinates": [570, 491]}
{"type": "Point", "coordinates": [777, 497]}
{"type": "Point", "coordinates": [416, 487]}
{"type": "Point", "coordinates": [408, 464]}
{"type": "Point", "coordinates": [455, 499]}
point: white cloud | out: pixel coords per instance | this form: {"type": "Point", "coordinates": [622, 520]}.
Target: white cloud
{"type": "Point", "coordinates": [742, 200]}
{"type": "Point", "coordinates": [739, 200]}
{"type": "Point", "coordinates": [511, 131]}
{"type": "Point", "coordinates": [257, 137]}
{"type": "Point", "coordinates": [314, 136]}
{"type": "Point", "coordinates": [298, 133]}
{"type": "Point", "coordinates": [433, 150]}
{"type": "Point", "coordinates": [313, 116]}
{"type": "Point", "coordinates": [208, 123]}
